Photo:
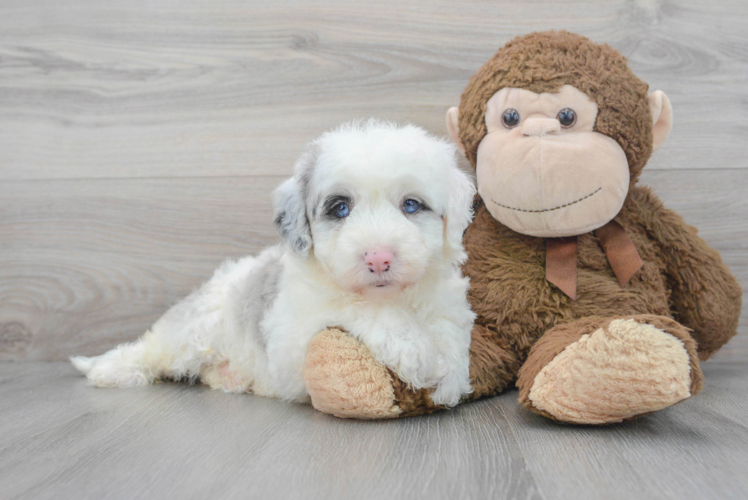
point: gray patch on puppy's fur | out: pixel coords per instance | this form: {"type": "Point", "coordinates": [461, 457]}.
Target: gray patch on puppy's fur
{"type": "Point", "coordinates": [290, 204]}
{"type": "Point", "coordinates": [262, 287]}
{"type": "Point", "coordinates": [290, 217]}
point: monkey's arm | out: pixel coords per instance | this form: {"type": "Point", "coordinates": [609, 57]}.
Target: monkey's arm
{"type": "Point", "coordinates": [705, 297]}
{"type": "Point", "coordinates": [344, 379]}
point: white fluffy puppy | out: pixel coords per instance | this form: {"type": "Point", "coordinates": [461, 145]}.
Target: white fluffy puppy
{"type": "Point", "coordinates": [373, 221]}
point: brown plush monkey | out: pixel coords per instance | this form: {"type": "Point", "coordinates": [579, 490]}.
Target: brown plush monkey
{"type": "Point", "coordinates": [592, 297]}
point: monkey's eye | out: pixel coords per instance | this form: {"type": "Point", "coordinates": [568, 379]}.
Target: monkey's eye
{"type": "Point", "coordinates": [567, 117]}
{"type": "Point", "coordinates": [510, 118]}
{"type": "Point", "coordinates": [411, 206]}
{"type": "Point", "coordinates": [341, 210]}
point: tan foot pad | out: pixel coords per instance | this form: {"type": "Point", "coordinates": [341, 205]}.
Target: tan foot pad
{"type": "Point", "coordinates": [345, 380]}
{"type": "Point", "coordinates": [612, 374]}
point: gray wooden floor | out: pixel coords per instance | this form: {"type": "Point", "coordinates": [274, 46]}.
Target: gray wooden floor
{"type": "Point", "coordinates": [62, 439]}
{"type": "Point", "coordinates": [139, 144]}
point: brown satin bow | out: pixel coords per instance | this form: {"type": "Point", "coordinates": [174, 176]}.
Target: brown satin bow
{"type": "Point", "coordinates": [561, 257]}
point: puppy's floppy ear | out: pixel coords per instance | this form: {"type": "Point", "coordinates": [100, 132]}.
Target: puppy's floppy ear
{"type": "Point", "coordinates": [290, 217]}
{"type": "Point", "coordinates": [459, 211]}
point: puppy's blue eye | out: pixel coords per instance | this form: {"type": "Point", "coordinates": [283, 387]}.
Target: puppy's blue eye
{"type": "Point", "coordinates": [341, 210]}
{"type": "Point", "coordinates": [411, 206]}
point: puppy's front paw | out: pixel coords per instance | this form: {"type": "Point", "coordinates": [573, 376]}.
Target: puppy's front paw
{"type": "Point", "coordinates": [417, 363]}
{"type": "Point", "coordinates": [450, 389]}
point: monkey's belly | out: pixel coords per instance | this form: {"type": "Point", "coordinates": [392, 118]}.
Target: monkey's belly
{"type": "Point", "coordinates": [510, 295]}
{"type": "Point", "coordinates": [600, 294]}
{"type": "Point", "coordinates": [520, 305]}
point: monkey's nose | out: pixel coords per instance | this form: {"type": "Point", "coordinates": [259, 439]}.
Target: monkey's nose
{"type": "Point", "coordinates": [535, 127]}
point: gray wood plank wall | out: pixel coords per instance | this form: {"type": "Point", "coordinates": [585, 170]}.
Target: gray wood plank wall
{"type": "Point", "coordinates": [140, 140]}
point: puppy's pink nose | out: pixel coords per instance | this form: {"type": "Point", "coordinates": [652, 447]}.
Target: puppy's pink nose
{"type": "Point", "coordinates": [378, 262]}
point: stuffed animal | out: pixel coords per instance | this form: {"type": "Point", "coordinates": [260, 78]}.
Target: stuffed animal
{"type": "Point", "coordinates": [594, 299]}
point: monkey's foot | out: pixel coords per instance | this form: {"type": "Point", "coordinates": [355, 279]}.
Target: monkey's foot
{"type": "Point", "coordinates": [615, 371]}
{"type": "Point", "coordinates": [344, 379]}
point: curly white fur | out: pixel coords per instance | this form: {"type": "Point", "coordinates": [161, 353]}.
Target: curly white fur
{"type": "Point", "coordinates": [249, 327]}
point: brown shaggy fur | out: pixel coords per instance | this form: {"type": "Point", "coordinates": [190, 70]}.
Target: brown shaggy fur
{"type": "Point", "coordinates": [682, 287]}
{"type": "Point", "coordinates": [546, 61]}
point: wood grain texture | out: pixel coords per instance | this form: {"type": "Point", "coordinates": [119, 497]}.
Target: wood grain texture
{"type": "Point", "coordinates": [90, 263]}
{"type": "Point", "coordinates": [204, 88]}
{"type": "Point", "coordinates": [62, 439]}
{"type": "Point", "coordinates": [696, 449]}
{"type": "Point", "coordinates": [139, 144]}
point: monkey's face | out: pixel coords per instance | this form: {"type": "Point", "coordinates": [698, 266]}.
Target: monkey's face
{"type": "Point", "coordinates": [542, 170]}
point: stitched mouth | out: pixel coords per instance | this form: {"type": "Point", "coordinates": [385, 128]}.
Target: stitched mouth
{"type": "Point", "coordinates": [549, 209]}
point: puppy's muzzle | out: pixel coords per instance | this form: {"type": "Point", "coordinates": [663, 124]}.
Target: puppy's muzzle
{"type": "Point", "coordinates": [378, 262]}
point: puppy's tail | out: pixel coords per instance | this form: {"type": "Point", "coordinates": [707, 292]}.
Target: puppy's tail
{"type": "Point", "coordinates": [127, 365]}
{"type": "Point", "coordinates": [82, 363]}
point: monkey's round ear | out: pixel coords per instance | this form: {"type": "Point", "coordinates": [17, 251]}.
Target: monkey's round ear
{"type": "Point", "coordinates": [662, 117]}
{"type": "Point", "coordinates": [453, 127]}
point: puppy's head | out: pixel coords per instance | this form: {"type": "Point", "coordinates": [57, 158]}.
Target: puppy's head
{"type": "Point", "coordinates": [377, 205]}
